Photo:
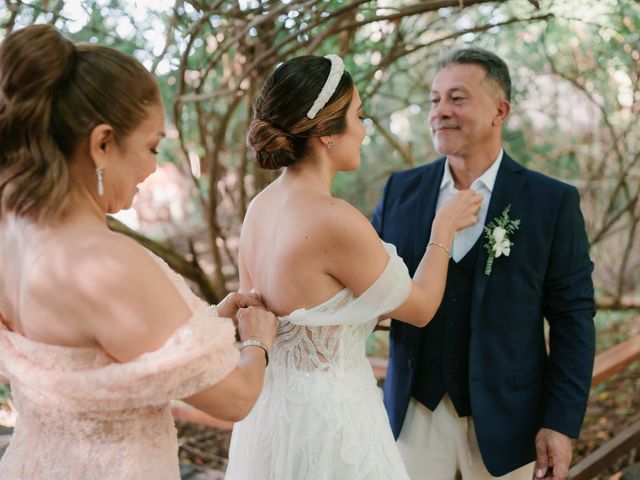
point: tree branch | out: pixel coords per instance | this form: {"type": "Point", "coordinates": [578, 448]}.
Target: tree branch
{"type": "Point", "coordinates": [188, 269]}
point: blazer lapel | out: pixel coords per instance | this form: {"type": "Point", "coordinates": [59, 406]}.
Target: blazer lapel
{"type": "Point", "coordinates": [426, 207]}
{"type": "Point", "coordinates": [505, 191]}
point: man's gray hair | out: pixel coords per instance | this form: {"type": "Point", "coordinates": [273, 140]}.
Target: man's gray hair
{"type": "Point", "coordinates": [495, 67]}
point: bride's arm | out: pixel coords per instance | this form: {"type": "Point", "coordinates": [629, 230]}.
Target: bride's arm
{"type": "Point", "coordinates": [356, 257]}
{"type": "Point", "coordinates": [429, 280]}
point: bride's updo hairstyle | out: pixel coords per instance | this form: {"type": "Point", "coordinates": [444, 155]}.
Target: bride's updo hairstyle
{"type": "Point", "coordinates": [280, 128]}
{"type": "Point", "coordinates": [52, 94]}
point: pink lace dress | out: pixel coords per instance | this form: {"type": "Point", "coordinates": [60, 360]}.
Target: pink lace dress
{"type": "Point", "coordinates": [82, 416]}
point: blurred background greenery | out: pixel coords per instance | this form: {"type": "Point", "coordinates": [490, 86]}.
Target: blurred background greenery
{"type": "Point", "coordinates": [575, 66]}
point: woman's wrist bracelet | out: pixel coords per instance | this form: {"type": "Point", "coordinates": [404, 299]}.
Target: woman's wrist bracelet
{"type": "Point", "coordinates": [438, 244]}
{"type": "Point", "coordinates": [253, 342]}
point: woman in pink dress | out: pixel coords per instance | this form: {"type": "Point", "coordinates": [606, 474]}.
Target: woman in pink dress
{"type": "Point", "coordinates": [96, 333]}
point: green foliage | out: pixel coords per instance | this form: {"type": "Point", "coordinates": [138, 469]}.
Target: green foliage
{"type": "Point", "coordinates": [575, 67]}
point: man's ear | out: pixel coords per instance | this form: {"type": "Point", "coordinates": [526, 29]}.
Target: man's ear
{"type": "Point", "coordinates": [101, 142]}
{"type": "Point", "coordinates": [504, 109]}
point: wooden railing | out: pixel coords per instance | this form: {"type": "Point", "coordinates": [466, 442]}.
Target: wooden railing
{"type": "Point", "coordinates": [598, 460]}
{"type": "Point", "coordinates": [615, 359]}
{"type": "Point", "coordinates": [607, 364]}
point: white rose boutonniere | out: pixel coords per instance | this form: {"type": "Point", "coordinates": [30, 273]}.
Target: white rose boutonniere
{"type": "Point", "coordinates": [497, 241]}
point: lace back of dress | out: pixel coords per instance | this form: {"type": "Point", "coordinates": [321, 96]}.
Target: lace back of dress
{"type": "Point", "coordinates": [312, 348]}
{"type": "Point", "coordinates": [332, 336]}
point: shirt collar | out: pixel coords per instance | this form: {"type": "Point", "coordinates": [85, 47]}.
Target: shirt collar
{"type": "Point", "coordinates": [488, 178]}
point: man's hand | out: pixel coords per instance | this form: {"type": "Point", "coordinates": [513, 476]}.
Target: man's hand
{"type": "Point", "coordinates": [554, 454]}
{"type": "Point", "coordinates": [233, 302]}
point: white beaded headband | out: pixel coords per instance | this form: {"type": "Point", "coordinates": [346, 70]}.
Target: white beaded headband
{"type": "Point", "coordinates": [335, 74]}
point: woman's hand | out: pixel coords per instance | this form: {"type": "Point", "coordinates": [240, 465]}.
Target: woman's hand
{"type": "Point", "coordinates": [233, 302]}
{"type": "Point", "coordinates": [459, 212]}
{"type": "Point", "coordinates": [257, 323]}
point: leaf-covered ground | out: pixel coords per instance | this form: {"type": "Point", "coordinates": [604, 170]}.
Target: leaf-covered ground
{"type": "Point", "coordinates": [613, 406]}
{"type": "Point", "coordinates": [203, 446]}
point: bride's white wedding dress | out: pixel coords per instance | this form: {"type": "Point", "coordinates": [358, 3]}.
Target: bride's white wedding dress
{"type": "Point", "coordinates": [320, 415]}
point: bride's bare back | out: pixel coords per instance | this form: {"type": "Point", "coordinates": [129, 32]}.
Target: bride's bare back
{"type": "Point", "coordinates": [284, 250]}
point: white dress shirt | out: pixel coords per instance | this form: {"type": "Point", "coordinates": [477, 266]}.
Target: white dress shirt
{"type": "Point", "coordinates": [464, 240]}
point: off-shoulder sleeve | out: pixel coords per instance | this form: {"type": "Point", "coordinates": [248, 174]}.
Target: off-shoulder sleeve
{"type": "Point", "coordinates": [198, 355]}
{"type": "Point", "coordinates": [388, 291]}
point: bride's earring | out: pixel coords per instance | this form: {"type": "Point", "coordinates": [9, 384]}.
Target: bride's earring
{"type": "Point", "coordinates": [330, 144]}
{"type": "Point", "coordinates": [100, 181]}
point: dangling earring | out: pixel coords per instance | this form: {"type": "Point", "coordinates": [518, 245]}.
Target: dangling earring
{"type": "Point", "coordinates": [100, 182]}
{"type": "Point", "coordinates": [330, 144]}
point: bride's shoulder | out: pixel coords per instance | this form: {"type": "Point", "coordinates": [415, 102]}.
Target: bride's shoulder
{"type": "Point", "coordinates": [337, 220]}
{"type": "Point", "coordinates": [338, 209]}
{"type": "Point", "coordinates": [260, 204]}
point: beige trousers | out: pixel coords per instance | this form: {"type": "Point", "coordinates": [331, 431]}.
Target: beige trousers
{"type": "Point", "coordinates": [440, 445]}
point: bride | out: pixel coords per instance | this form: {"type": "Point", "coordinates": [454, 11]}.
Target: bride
{"type": "Point", "coordinates": [319, 265]}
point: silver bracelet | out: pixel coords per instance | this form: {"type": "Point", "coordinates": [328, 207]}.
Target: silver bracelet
{"type": "Point", "coordinates": [253, 342]}
{"type": "Point", "coordinates": [438, 244]}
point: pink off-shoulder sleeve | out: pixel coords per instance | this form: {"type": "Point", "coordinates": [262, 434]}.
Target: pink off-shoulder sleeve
{"type": "Point", "coordinates": [198, 355]}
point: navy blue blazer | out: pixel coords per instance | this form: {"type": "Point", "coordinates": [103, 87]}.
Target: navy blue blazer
{"type": "Point", "coordinates": [516, 386]}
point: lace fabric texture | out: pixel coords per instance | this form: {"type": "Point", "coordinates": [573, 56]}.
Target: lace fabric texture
{"type": "Point", "coordinates": [320, 415]}
{"type": "Point", "coordinates": [83, 416]}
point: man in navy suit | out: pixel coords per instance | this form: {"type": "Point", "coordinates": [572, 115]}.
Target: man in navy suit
{"type": "Point", "coordinates": [476, 393]}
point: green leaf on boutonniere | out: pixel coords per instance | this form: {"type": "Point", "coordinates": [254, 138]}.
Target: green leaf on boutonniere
{"type": "Point", "coordinates": [497, 237]}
